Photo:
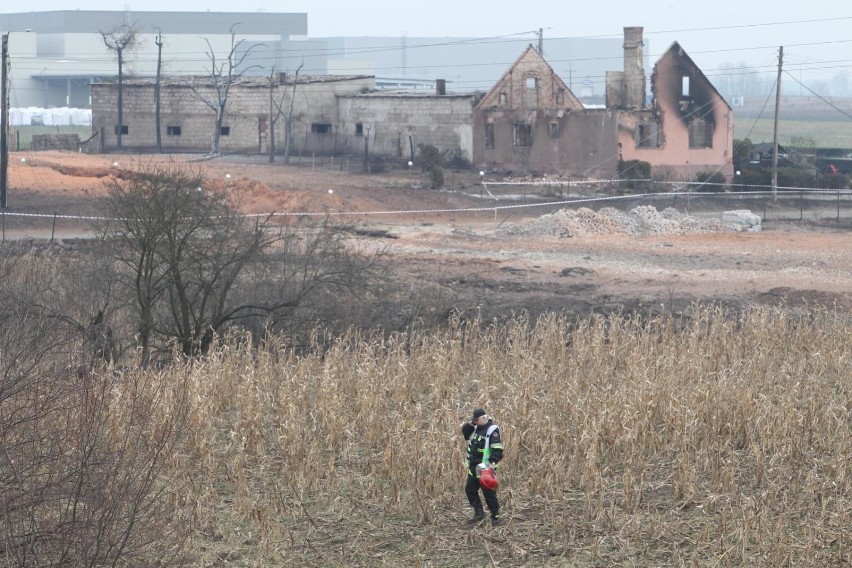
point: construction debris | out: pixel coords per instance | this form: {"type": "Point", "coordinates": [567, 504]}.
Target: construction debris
{"type": "Point", "coordinates": [640, 221]}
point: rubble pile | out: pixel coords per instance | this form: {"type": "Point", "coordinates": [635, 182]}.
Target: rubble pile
{"type": "Point", "coordinates": [640, 221]}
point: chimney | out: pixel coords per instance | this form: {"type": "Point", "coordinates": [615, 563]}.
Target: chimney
{"type": "Point", "coordinates": [634, 71]}
{"type": "Point", "coordinates": [440, 86]}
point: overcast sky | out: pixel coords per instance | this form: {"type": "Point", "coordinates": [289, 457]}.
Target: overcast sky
{"type": "Point", "coordinates": [816, 34]}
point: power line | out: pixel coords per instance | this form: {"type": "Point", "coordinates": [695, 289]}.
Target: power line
{"type": "Point", "coordinates": [820, 97]}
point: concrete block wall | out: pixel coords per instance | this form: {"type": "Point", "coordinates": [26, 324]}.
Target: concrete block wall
{"type": "Point", "coordinates": [179, 109]}
{"type": "Point", "coordinates": [246, 116]}
{"type": "Point", "coordinates": [396, 126]}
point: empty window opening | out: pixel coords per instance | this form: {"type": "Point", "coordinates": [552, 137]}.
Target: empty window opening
{"type": "Point", "coordinates": [172, 130]}
{"type": "Point", "coordinates": [531, 82]}
{"type": "Point", "coordinates": [523, 135]}
{"type": "Point", "coordinates": [560, 96]}
{"type": "Point", "coordinates": [124, 129]}
{"type": "Point", "coordinates": [359, 129]}
{"type": "Point", "coordinates": [502, 99]}
{"type": "Point", "coordinates": [700, 133]}
{"type": "Point", "coordinates": [648, 135]}
{"type": "Point", "coordinates": [320, 128]}
{"type": "Point", "coordinates": [554, 130]}
{"type": "Point", "coordinates": [684, 86]}
{"type": "Point", "coordinates": [489, 134]}
{"type": "Point", "coordinates": [225, 130]}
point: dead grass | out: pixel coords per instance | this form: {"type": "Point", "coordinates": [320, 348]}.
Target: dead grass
{"type": "Point", "coordinates": [718, 440]}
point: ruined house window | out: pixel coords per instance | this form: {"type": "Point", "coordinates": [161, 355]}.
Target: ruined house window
{"type": "Point", "coordinates": [560, 96]}
{"type": "Point", "coordinates": [489, 134]}
{"type": "Point", "coordinates": [172, 130]}
{"type": "Point", "coordinates": [532, 82]}
{"type": "Point", "coordinates": [554, 130]}
{"type": "Point", "coordinates": [522, 135]}
{"type": "Point", "coordinates": [700, 133]}
{"type": "Point", "coordinates": [648, 135]}
{"type": "Point", "coordinates": [684, 87]}
{"type": "Point", "coordinates": [225, 130]}
{"type": "Point", "coordinates": [124, 129]}
{"type": "Point", "coordinates": [359, 129]}
{"type": "Point", "coordinates": [320, 128]}
{"type": "Point", "coordinates": [502, 99]}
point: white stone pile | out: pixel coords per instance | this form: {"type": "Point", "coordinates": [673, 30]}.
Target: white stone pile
{"type": "Point", "coordinates": [639, 221]}
{"type": "Point", "coordinates": [744, 219]}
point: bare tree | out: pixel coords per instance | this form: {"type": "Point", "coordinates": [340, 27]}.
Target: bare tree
{"type": "Point", "coordinates": [118, 40]}
{"type": "Point", "coordinates": [83, 456]}
{"type": "Point", "coordinates": [223, 74]}
{"type": "Point", "coordinates": [278, 111]}
{"type": "Point", "coordinates": [196, 266]}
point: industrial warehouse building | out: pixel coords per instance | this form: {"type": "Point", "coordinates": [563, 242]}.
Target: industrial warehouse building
{"type": "Point", "coordinates": [55, 55]}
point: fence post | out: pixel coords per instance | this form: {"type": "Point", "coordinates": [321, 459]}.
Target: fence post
{"type": "Point", "coordinates": [838, 205]}
{"type": "Point", "coordinates": [4, 227]}
{"type": "Point", "coordinates": [53, 229]}
{"type": "Point", "coordinates": [801, 205]}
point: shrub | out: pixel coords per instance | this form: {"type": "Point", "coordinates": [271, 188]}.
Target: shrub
{"type": "Point", "coordinates": [712, 181]}
{"type": "Point", "coordinates": [634, 172]}
{"type": "Point", "coordinates": [437, 175]}
{"type": "Point", "coordinates": [429, 157]}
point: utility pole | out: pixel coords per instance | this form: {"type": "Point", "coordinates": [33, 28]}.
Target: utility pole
{"type": "Point", "coordinates": [541, 41]}
{"type": "Point", "coordinates": [4, 120]}
{"type": "Point", "coordinates": [159, 43]}
{"type": "Point", "coordinates": [775, 126]}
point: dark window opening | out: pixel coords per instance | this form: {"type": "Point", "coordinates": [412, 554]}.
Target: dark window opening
{"type": "Point", "coordinates": [225, 130]}
{"type": "Point", "coordinates": [320, 128]}
{"type": "Point", "coordinates": [172, 130]}
{"type": "Point", "coordinates": [359, 129]}
{"type": "Point", "coordinates": [700, 133]}
{"type": "Point", "coordinates": [560, 96]}
{"type": "Point", "coordinates": [648, 135]}
{"type": "Point", "coordinates": [554, 130]}
{"type": "Point", "coordinates": [124, 129]}
{"type": "Point", "coordinates": [523, 135]}
{"type": "Point", "coordinates": [489, 134]}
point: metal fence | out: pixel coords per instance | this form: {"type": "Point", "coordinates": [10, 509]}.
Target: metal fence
{"type": "Point", "coordinates": [829, 207]}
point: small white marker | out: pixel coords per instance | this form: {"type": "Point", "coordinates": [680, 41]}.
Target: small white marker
{"type": "Point", "coordinates": [331, 191]}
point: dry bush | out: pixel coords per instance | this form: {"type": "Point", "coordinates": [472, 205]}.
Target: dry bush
{"type": "Point", "coordinates": [192, 266]}
{"type": "Point", "coordinates": [719, 439]}
{"type": "Point", "coordinates": [83, 449]}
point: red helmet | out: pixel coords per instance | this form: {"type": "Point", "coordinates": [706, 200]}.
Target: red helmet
{"type": "Point", "coordinates": [488, 480]}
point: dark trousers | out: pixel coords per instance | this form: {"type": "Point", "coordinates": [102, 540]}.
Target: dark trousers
{"type": "Point", "coordinates": [472, 489]}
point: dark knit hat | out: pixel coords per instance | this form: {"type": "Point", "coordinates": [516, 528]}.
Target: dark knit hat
{"type": "Point", "coordinates": [477, 413]}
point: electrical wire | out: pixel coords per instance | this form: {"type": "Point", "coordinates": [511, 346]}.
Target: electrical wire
{"type": "Point", "coordinates": [820, 97]}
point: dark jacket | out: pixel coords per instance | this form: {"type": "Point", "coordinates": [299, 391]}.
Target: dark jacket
{"type": "Point", "coordinates": [475, 436]}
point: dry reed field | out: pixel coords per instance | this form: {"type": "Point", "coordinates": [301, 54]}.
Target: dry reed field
{"type": "Point", "coordinates": [711, 440]}
{"type": "Point", "coordinates": [700, 416]}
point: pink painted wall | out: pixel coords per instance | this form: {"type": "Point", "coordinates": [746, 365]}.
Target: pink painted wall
{"type": "Point", "coordinates": [674, 156]}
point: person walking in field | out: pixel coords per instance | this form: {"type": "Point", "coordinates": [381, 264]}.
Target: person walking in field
{"type": "Point", "coordinates": [484, 452]}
